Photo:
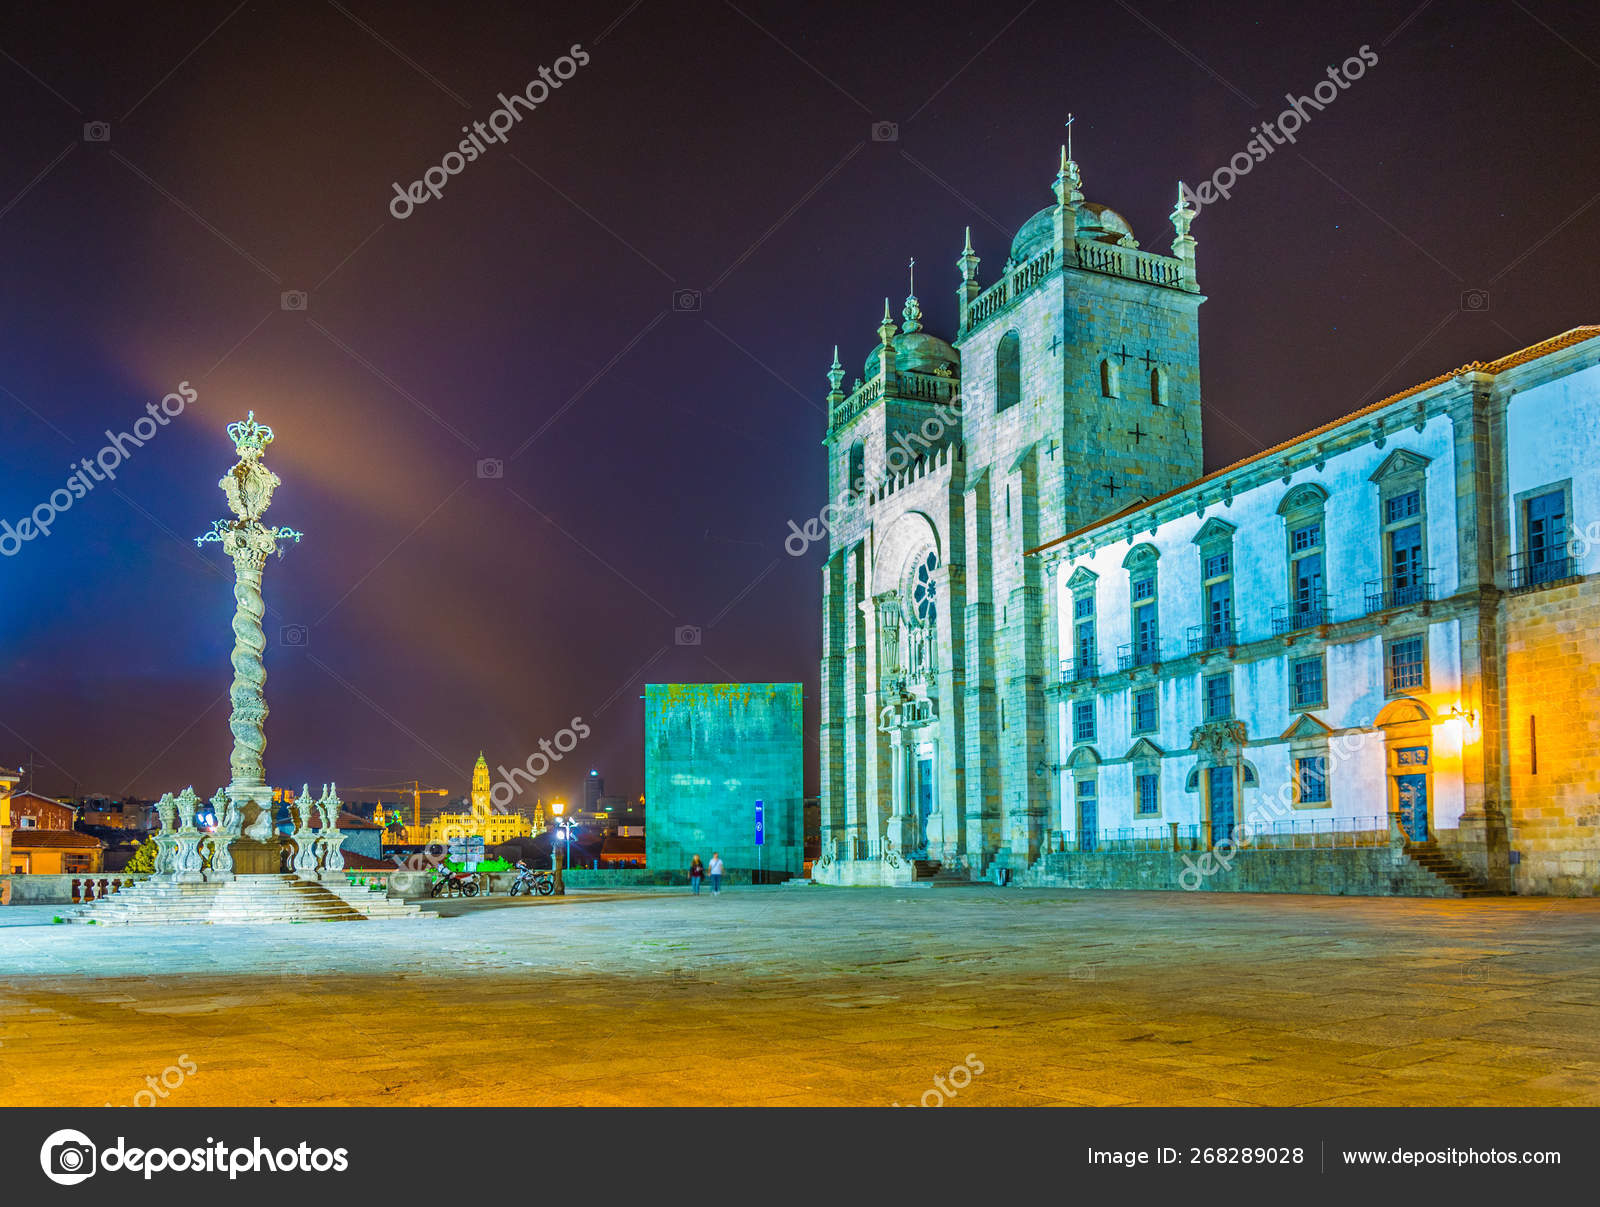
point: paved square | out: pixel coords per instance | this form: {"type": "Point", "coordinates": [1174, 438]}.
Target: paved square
{"type": "Point", "coordinates": [823, 996]}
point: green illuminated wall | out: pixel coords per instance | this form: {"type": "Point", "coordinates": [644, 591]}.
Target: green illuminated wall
{"type": "Point", "coordinates": [711, 751]}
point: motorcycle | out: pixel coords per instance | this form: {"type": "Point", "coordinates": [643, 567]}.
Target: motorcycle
{"type": "Point", "coordinates": [454, 884]}
{"type": "Point", "coordinates": [532, 880]}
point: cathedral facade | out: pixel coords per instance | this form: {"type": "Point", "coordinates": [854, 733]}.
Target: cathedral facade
{"type": "Point", "coordinates": [1049, 639]}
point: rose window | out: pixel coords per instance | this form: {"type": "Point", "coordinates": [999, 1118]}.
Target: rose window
{"type": "Point", "coordinates": [924, 592]}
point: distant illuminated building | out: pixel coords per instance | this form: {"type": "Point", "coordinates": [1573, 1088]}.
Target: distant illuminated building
{"type": "Point", "coordinates": [482, 821]}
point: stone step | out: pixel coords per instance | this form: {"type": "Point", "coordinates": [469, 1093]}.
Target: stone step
{"type": "Point", "coordinates": [249, 899]}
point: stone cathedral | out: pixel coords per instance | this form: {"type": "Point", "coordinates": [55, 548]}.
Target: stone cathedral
{"type": "Point", "coordinates": [947, 460]}
{"type": "Point", "coordinates": [1054, 648]}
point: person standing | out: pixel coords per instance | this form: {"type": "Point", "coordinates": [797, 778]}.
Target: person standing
{"type": "Point", "coordinates": [696, 870]}
{"type": "Point", "coordinates": [716, 873]}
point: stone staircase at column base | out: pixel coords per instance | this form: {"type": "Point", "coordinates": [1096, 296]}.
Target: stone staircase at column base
{"type": "Point", "coordinates": [1436, 863]}
{"type": "Point", "coordinates": [247, 900]}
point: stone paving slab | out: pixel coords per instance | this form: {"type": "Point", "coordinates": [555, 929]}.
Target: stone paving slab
{"type": "Point", "coordinates": [849, 996]}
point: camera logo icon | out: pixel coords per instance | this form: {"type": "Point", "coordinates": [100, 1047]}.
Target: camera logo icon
{"type": "Point", "coordinates": [885, 131]}
{"type": "Point", "coordinates": [685, 300]}
{"type": "Point", "coordinates": [294, 299]}
{"type": "Point", "coordinates": [491, 467]}
{"type": "Point", "coordinates": [1475, 301]}
{"type": "Point", "coordinates": [294, 634]}
{"type": "Point", "coordinates": [67, 1157]}
{"type": "Point", "coordinates": [687, 634]}
{"type": "Point", "coordinates": [96, 131]}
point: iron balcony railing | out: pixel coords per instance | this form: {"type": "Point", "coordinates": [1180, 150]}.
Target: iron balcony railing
{"type": "Point", "coordinates": [1399, 591]}
{"type": "Point", "coordinates": [1137, 654]}
{"type": "Point", "coordinates": [1301, 614]}
{"type": "Point", "coordinates": [1204, 637]}
{"type": "Point", "coordinates": [1077, 670]}
{"type": "Point", "coordinates": [1530, 571]}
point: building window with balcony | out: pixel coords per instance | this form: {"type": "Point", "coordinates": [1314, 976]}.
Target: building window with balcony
{"type": "Point", "coordinates": [1311, 780]}
{"type": "Point", "coordinates": [1544, 538]}
{"type": "Point", "coordinates": [1219, 696]}
{"type": "Point", "coordinates": [1217, 628]}
{"type": "Point", "coordinates": [1305, 533]}
{"type": "Point", "coordinates": [1406, 660]}
{"type": "Point", "coordinates": [1146, 793]}
{"type": "Point", "coordinates": [1083, 721]}
{"type": "Point", "coordinates": [1008, 371]}
{"type": "Point", "coordinates": [1085, 644]}
{"type": "Point", "coordinates": [1145, 648]}
{"type": "Point", "coordinates": [1307, 683]}
{"type": "Point", "coordinates": [1402, 512]}
{"type": "Point", "coordinates": [1145, 719]}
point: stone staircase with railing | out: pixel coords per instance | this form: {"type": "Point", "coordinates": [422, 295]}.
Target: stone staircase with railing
{"type": "Point", "coordinates": [247, 900]}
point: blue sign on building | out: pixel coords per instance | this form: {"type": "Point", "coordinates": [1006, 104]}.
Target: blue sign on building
{"type": "Point", "coordinates": [761, 824]}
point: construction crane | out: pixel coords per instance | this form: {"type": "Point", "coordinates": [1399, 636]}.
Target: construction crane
{"type": "Point", "coordinates": [413, 788]}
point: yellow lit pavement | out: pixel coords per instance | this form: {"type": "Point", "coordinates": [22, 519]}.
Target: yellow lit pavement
{"type": "Point", "coordinates": [809, 995]}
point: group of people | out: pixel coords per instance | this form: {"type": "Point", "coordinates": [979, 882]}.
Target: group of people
{"type": "Point", "coordinates": [697, 870]}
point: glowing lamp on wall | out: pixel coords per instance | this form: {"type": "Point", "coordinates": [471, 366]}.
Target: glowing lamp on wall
{"type": "Point", "coordinates": [1467, 716]}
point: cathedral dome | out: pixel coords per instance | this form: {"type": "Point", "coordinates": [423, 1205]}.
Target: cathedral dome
{"type": "Point", "coordinates": [1036, 235]}
{"type": "Point", "coordinates": [922, 352]}
{"type": "Point", "coordinates": [1104, 224]}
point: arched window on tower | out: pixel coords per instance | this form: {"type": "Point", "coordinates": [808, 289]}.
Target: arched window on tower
{"type": "Point", "coordinates": [1108, 379]}
{"type": "Point", "coordinates": [856, 467]}
{"type": "Point", "coordinates": [1008, 371]}
{"type": "Point", "coordinates": [1158, 395]}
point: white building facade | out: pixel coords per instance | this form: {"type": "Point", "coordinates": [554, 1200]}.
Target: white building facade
{"type": "Point", "coordinates": [1310, 648]}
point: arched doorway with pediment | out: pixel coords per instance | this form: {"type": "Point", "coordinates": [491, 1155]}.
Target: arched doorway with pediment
{"type": "Point", "coordinates": [1407, 728]}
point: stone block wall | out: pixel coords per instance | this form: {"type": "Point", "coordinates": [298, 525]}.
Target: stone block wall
{"type": "Point", "coordinates": [1552, 738]}
{"type": "Point", "coordinates": [1362, 872]}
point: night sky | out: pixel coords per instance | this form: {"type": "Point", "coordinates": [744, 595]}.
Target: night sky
{"type": "Point", "coordinates": [1445, 208]}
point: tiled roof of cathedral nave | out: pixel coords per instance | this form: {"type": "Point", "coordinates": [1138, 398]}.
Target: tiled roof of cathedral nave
{"type": "Point", "coordinates": [1555, 343]}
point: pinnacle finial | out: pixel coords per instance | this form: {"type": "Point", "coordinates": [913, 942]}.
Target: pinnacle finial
{"type": "Point", "coordinates": [835, 372]}
{"type": "Point", "coordinates": [886, 329]}
{"type": "Point", "coordinates": [966, 250]}
{"type": "Point", "coordinates": [1183, 214]}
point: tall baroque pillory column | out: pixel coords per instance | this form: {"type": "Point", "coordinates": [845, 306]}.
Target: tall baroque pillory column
{"type": "Point", "coordinates": [248, 487]}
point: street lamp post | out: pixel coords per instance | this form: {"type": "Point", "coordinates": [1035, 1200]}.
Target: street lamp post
{"type": "Point", "coordinates": [558, 808]}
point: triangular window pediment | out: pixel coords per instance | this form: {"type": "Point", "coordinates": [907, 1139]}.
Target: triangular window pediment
{"type": "Point", "coordinates": [1082, 579]}
{"type": "Point", "coordinates": [1306, 726]}
{"type": "Point", "coordinates": [1144, 748]}
{"type": "Point", "coordinates": [1400, 463]}
{"type": "Point", "coordinates": [1214, 532]}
